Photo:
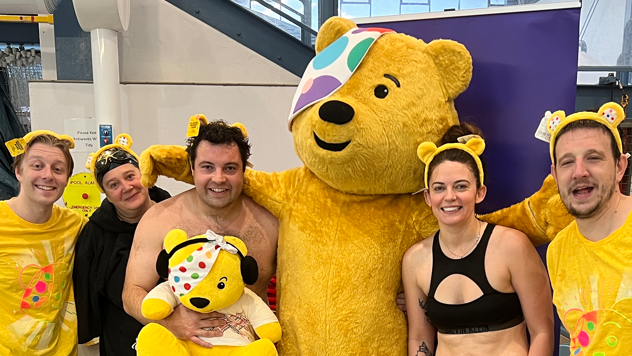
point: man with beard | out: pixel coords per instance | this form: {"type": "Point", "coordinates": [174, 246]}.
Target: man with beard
{"type": "Point", "coordinates": [218, 156]}
{"type": "Point", "coordinates": [590, 261]}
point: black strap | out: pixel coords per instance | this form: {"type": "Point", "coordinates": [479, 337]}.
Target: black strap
{"type": "Point", "coordinates": [484, 328]}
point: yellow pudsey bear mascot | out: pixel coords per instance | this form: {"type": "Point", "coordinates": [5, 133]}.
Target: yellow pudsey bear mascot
{"type": "Point", "coordinates": [365, 103]}
{"type": "Point", "coordinates": [208, 273]}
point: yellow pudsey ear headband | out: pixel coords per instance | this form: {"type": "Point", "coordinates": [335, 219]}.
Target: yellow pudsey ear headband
{"type": "Point", "coordinates": [609, 115]}
{"type": "Point", "coordinates": [196, 121]}
{"type": "Point", "coordinates": [122, 141]}
{"type": "Point", "coordinates": [474, 145]}
{"type": "Point", "coordinates": [18, 146]}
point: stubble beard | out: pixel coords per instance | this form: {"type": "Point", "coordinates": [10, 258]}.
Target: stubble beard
{"type": "Point", "coordinates": [590, 211]}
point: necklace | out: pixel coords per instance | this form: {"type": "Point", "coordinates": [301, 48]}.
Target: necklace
{"type": "Point", "coordinates": [478, 237]}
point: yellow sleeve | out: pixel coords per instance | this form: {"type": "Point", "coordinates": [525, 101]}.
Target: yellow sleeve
{"type": "Point", "coordinates": [272, 190]}
{"type": "Point", "coordinates": [540, 216]}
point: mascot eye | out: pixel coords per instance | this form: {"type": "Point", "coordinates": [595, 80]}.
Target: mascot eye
{"type": "Point", "coordinates": [381, 91]}
{"type": "Point", "coordinates": [221, 285]}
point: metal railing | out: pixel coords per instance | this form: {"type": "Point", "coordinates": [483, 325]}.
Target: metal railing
{"type": "Point", "coordinates": [295, 21]}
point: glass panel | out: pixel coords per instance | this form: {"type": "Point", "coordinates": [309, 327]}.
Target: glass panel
{"type": "Point", "coordinates": [605, 37]}
{"type": "Point", "coordinates": [370, 8]}
{"type": "Point", "coordinates": [304, 11]}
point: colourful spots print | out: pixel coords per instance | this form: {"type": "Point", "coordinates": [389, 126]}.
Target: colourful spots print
{"type": "Point", "coordinates": [592, 290]}
{"type": "Point", "coordinates": [332, 67]}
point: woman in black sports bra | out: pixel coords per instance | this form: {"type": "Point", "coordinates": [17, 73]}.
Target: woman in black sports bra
{"type": "Point", "coordinates": [473, 288]}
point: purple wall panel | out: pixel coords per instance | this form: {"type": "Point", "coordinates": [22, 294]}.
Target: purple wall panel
{"type": "Point", "coordinates": [524, 64]}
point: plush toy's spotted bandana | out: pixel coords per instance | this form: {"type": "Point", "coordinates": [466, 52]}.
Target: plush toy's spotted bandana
{"type": "Point", "coordinates": [610, 115]}
{"type": "Point", "coordinates": [184, 276]}
{"type": "Point", "coordinates": [333, 67]}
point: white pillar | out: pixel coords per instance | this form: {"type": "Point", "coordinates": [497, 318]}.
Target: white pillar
{"type": "Point", "coordinates": [106, 77]}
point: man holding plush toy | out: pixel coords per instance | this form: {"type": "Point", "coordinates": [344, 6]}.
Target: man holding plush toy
{"type": "Point", "coordinates": [218, 157]}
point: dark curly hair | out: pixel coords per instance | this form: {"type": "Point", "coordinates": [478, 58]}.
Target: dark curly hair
{"type": "Point", "coordinates": [219, 132]}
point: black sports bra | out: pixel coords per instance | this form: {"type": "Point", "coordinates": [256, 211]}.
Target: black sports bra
{"type": "Point", "coordinates": [492, 311]}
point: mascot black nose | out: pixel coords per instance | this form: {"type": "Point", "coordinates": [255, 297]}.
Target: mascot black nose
{"type": "Point", "coordinates": [336, 112]}
{"type": "Point", "coordinates": [199, 302]}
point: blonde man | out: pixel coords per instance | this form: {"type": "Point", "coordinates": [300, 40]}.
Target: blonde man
{"type": "Point", "coordinates": [37, 240]}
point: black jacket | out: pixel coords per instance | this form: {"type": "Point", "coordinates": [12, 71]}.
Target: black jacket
{"type": "Point", "coordinates": [101, 256]}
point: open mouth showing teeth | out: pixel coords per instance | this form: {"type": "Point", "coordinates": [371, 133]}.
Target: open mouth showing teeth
{"type": "Point", "coordinates": [582, 191]}
{"type": "Point", "coordinates": [216, 190]}
{"type": "Point", "coordinates": [44, 187]}
{"type": "Point", "coordinates": [451, 209]}
{"type": "Point", "coordinates": [336, 147]}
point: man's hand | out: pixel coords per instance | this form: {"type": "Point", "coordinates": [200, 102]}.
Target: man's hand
{"type": "Point", "coordinates": [189, 325]}
{"type": "Point", "coordinates": [401, 302]}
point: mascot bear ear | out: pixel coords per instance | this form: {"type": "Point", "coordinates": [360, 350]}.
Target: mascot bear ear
{"type": "Point", "coordinates": [425, 151]}
{"type": "Point", "coordinates": [334, 28]}
{"type": "Point", "coordinates": [454, 64]}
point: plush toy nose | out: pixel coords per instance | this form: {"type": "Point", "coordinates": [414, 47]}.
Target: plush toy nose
{"type": "Point", "coordinates": [199, 302]}
{"type": "Point", "coordinates": [336, 112]}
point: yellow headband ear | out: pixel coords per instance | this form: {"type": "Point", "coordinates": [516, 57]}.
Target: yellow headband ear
{"type": "Point", "coordinates": [195, 122]}
{"type": "Point", "coordinates": [124, 140]}
{"type": "Point", "coordinates": [612, 113]}
{"type": "Point", "coordinates": [425, 152]}
{"type": "Point", "coordinates": [476, 144]}
{"type": "Point", "coordinates": [555, 120]}
{"type": "Point", "coordinates": [89, 162]}
{"type": "Point", "coordinates": [609, 115]}
{"type": "Point", "coordinates": [241, 127]}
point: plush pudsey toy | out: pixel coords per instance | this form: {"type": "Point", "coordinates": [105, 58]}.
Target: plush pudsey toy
{"type": "Point", "coordinates": [365, 103]}
{"type": "Point", "coordinates": [208, 273]}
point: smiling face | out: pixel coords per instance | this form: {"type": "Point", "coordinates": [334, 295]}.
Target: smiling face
{"type": "Point", "coordinates": [122, 187]}
{"type": "Point", "coordinates": [43, 174]}
{"type": "Point", "coordinates": [452, 193]}
{"type": "Point", "coordinates": [585, 171]}
{"type": "Point", "coordinates": [218, 174]}
{"type": "Point", "coordinates": [363, 138]}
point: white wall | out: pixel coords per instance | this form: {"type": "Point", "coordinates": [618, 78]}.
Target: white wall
{"type": "Point", "coordinates": [158, 114]}
{"type": "Point", "coordinates": [172, 50]}
{"type": "Point", "coordinates": [164, 44]}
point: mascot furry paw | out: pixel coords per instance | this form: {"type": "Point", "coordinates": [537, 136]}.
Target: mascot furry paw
{"type": "Point", "coordinates": [364, 104]}
{"type": "Point", "coordinates": [208, 273]}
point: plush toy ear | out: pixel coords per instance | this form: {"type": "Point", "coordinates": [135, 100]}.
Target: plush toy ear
{"type": "Point", "coordinates": [612, 112]}
{"type": "Point", "coordinates": [477, 145]}
{"type": "Point", "coordinates": [425, 151]}
{"type": "Point", "coordinates": [249, 270]}
{"type": "Point", "coordinates": [554, 120]}
{"type": "Point", "coordinates": [454, 63]}
{"type": "Point", "coordinates": [334, 28]}
{"type": "Point", "coordinates": [174, 238]}
{"type": "Point", "coordinates": [241, 127]}
{"type": "Point", "coordinates": [124, 140]}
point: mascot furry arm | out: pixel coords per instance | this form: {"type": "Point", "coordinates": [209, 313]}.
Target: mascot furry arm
{"type": "Point", "coordinates": [346, 217]}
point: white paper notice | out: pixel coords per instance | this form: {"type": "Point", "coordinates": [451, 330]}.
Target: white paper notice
{"type": "Point", "coordinates": [84, 132]}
